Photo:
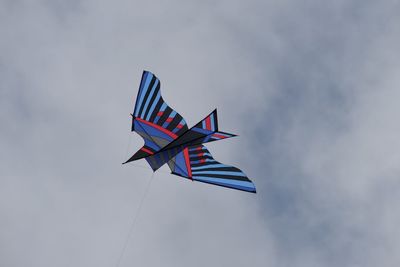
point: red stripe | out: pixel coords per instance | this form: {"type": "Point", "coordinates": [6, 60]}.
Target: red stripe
{"type": "Point", "coordinates": [208, 123]}
{"type": "Point", "coordinates": [198, 148]}
{"type": "Point", "coordinates": [186, 155]}
{"type": "Point", "coordinates": [158, 127]}
{"type": "Point", "coordinates": [202, 161]}
{"type": "Point", "coordinates": [219, 136]}
{"type": "Point", "coordinates": [169, 119]}
{"type": "Point", "coordinates": [147, 151]}
{"type": "Point", "coordinates": [160, 113]}
{"type": "Point", "coordinates": [179, 126]}
{"type": "Point", "coordinates": [200, 154]}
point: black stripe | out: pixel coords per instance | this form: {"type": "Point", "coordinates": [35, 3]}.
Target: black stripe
{"type": "Point", "coordinates": [195, 148]}
{"type": "Point", "coordinates": [153, 80]}
{"type": "Point", "coordinates": [164, 116]}
{"type": "Point", "coordinates": [203, 164]}
{"type": "Point", "coordinates": [228, 177]}
{"type": "Point", "coordinates": [199, 151]}
{"type": "Point", "coordinates": [215, 121]}
{"type": "Point", "coordinates": [172, 125]}
{"type": "Point", "coordinates": [229, 134]}
{"type": "Point", "coordinates": [228, 169]}
{"type": "Point", "coordinates": [194, 153]}
{"type": "Point", "coordinates": [201, 157]}
{"type": "Point", "coordinates": [152, 100]}
{"type": "Point", "coordinates": [156, 109]}
{"type": "Point", "coordinates": [182, 130]}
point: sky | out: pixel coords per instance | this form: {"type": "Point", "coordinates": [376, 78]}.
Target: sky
{"type": "Point", "coordinates": [310, 87]}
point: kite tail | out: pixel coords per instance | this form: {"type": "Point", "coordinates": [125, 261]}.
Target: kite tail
{"type": "Point", "coordinates": [209, 126]}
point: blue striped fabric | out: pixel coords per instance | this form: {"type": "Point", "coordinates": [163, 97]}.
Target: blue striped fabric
{"type": "Point", "coordinates": [204, 168]}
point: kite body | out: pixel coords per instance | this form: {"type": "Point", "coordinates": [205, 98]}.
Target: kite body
{"type": "Point", "coordinates": [167, 139]}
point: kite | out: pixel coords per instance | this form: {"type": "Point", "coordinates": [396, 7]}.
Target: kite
{"type": "Point", "coordinates": [167, 139]}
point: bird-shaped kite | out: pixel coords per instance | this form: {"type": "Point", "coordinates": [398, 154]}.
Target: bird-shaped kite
{"type": "Point", "coordinates": [167, 139]}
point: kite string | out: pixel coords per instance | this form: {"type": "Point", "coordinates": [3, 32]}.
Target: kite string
{"type": "Point", "coordinates": [135, 218]}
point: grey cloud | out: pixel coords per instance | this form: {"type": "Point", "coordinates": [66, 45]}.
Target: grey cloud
{"type": "Point", "coordinates": [328, 136]}
{"type": "Point", "coordinates": [313, 83]}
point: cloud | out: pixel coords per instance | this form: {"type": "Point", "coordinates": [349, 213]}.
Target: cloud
{"type": "Point", "coordinates": [328, 136]}
{"type": "Point", "coordinates": [311, 89]}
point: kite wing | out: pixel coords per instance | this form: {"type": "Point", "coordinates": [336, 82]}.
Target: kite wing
{"type": "Point", "coordinates": [153, 119]}
{"type": "Point", "coordinates": [196, 163]}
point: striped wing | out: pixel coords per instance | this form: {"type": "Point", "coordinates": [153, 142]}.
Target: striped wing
{"type": "Point", "coordinates": [156, 122]}
{"type": "Point", "coordinates": [196, 163]}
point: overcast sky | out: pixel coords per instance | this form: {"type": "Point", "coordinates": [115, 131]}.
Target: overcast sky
{"type": "Point", "coordinates": [312, 88]}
